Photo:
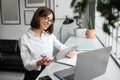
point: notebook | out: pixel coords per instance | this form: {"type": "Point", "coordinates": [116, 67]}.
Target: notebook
{"type": "Point", "coordinates": [89, 65]}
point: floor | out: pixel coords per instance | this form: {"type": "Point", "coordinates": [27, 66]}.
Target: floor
{"type": "Point", "coordinates": [9, 75]}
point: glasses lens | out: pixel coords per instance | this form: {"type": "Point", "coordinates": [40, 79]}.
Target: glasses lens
{"type": "Point", "coordinates": [48, 20]}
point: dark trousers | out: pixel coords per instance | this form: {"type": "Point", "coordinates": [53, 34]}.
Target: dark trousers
{"type": "Point", "coordinates": [32, 75]}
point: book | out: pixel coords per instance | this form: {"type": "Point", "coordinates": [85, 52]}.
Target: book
{"type": "Point", "coordinates": [87, 47]}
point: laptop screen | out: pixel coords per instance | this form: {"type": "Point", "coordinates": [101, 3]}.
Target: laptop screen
{"type": "Point", "coordinates": [92, 64]}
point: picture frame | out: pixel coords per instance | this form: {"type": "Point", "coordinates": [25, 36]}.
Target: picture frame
{"type": "Point", "coordinates": [28, 14]}
{"type": "Point", "coordinates": [10, 14]}
{"type": "Point", "coordinates": [35, 3]}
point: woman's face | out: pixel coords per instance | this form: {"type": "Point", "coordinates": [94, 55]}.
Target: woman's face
{"type": "Point", "coordinates": [45, 22]}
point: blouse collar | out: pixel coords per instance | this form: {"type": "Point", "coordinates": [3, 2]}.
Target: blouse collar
{"type": "Point", "coordinates": [32, 34]}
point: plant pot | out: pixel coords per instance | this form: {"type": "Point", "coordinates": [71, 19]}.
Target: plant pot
{"type": "Point", "coordinates": [90, 33]}
{"type": "Point", "coordinates": [80, 32]}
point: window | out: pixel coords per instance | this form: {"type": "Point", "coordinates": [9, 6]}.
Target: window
{"type": "Point", "coordinates": [112, 40]}
{"type": "Point", "coordinates": [116, 44]}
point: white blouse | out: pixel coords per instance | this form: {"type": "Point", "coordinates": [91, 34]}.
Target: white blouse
{"type": "Point", "coordinates": [33, 46]}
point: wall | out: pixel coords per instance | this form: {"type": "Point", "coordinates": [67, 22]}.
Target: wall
{"type": "Point", "coordinates": [15, 31]}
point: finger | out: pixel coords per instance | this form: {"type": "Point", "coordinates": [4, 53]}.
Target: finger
{"type": "Point", "coordinates": [47, 63]}
{"type": "Point", "coordinates": [48, 59]}
{"type": "Point", "coordinates": [70, 55]}
{"type": "Point", "coordinates": [45, 59]}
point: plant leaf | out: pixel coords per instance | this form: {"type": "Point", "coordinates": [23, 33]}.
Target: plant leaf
{"type": "Point", "coordinates": [106, 29]}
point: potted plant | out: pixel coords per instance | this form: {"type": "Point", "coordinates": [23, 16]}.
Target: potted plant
{"type": "Point", "coordinates": [79, 9]}
{"type": "Point", "coordinates": [109, 9]}
{"type": "Point", "coordinates": [90, 32]}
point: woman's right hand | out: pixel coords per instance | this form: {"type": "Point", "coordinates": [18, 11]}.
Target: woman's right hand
{"type": "Point", "coordinates": [44, 61]}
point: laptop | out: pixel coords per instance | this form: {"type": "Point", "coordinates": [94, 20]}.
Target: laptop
{"type": "Point", "coordinates": [89, 65]}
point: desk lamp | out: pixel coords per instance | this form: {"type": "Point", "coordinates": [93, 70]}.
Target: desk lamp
{"type": "Point", "coordinates": [65, 22]}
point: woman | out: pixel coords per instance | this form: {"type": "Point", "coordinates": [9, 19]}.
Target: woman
{"type": "Point", "coordinates": [36, 45]}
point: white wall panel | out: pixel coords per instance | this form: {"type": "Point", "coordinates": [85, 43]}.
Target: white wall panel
{"type": "Point", "coordinates": [62, 8]}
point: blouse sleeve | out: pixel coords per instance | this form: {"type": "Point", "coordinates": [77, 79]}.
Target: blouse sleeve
{"type": "Point", "coordinates": [57, 43]}
{"type": "Point", "coordinates": [28, 62]}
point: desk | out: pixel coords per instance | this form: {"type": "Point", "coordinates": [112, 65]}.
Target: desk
{"type": "Point", "coordinates": [112, 72]}
{"type": "Point", "coordinates": [73, 41]}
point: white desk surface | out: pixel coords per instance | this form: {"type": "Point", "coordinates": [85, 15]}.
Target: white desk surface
{"type": "Point", "coordinates": [112, 72]}
{"type": "Point", "coordinates": [73, 41]}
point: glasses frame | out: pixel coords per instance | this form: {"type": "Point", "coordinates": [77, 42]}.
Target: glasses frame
{"type": "Point", "coordinates": [46, 19]}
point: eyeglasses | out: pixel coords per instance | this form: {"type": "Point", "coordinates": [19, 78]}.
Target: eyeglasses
{"type": "Point", "coordinates": [47, 19]}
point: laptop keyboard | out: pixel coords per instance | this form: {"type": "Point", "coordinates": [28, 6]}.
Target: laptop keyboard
{"type": "Point", "coordinates": [69, 77]}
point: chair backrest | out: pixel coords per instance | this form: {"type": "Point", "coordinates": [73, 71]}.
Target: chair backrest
{"type": "Point", "coordinates": [8, 45]}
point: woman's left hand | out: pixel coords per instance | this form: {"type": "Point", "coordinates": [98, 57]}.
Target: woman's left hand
{"type": "Point", "coordinates": [71, 54]}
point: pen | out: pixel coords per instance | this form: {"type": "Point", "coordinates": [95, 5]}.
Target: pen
{"type": "Point", "coordinates": [43, 56]}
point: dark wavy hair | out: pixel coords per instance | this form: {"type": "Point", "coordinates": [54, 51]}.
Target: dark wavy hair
{"type": "Point", "coordinates": [42, 12]}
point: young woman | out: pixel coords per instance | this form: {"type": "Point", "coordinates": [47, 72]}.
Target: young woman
{"type": "Point", "coordinates": [36, 45]}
